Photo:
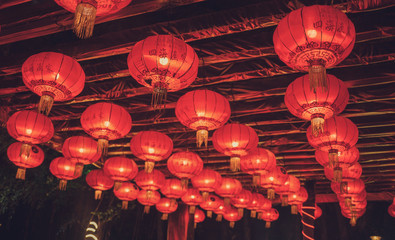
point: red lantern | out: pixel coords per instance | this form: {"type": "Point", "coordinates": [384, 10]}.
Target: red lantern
{"type": "Point", "coordinates": [35, 158]}
{"type": "Point", "coordinates": [127, 192]}
{"type": "Point", "coordinates": [198, 217]}
{"type": "Point", "coordinates": [192, 198]}
{"type": "Point", "coordinates": [163, 63]}
{"type": "Point", "coordinates": [120, 169]}
{"type": "Point", "coordinates": [29, 127]}
{"type": "Point", "coordinates": [235, 140]}
{"type": "Point", "coordinates": [54, 77]}
{"type": "Point", "coordinates": [290, 187]}
{"type": "Point", "coordinates": [106, 121]}
{"type": "Point", "coordinates": [173, 189]}
{"type": "Point", "coordinates": [85, 12]}
{"type": "Point", "coordinates": [348, 189]}
{"type": "Point", "coordinates": [353, 215]}
{"type": "Point", "coordinates": [391, 210]}
{"type": "Point", "coordinates": [241, 200]}
{"type": "Point", "coordinates": [64, 169]}
{"type": "Point", "coordinates": [263, 206]}
{"type": "Point", "coordinates": [150, 181]}
{"type": "Point", "coordinates": [257, 200]}
{"type": "Point", "coordinates": [258, 162]}
{"type": "Point", "coordinates": [148, 202]}
{"type": "Point", "coordinates": [99, 181]}
{"type": "Point", "coordinates": [220, 211]}
{"type": "Point", "coordinates": [151, 147]}
{"type": "Point", "coordinates": [316, 105]}
{"type": "Point", "coordinates": [207, 181]}
{"type": "Point", "coordinates": [352, 172]}
{"type": "Point", "coordinates": [232, 215]}
{"type": "Point", "coordinates": [229, 188]}
{"type": "Point", "coordinates": [202, 110]}
{"type": "Point", "coordinates": [314, 38]}
{"type": "Point", "coordinates": [211, 204]}
{"type": "Point", "coordinates": [166, 206]}
{"type": "Point", "coordinates": [317, 211]}
{"type": "Point", "coordinates": [270, 216]}
{"type": "Point", "coordinates": [273, 180]}
{"type": "Point", "coordinates": [297, 198]}
{"type": "Point", "coordinates": [185, 165]}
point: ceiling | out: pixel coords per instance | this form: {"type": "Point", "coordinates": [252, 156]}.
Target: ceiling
{"type": "Point", "coordinates": [233, 40]}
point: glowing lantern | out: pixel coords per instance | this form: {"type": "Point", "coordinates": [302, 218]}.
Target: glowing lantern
{"type": "Point", "coordinates": [273, 180]}
{"type": "Point", "coordinates": [198, 217]}
{"type": "Point", "coordinates": [202, 110]}
{"type": "Point", "coordinates": [185, 165]}
{"type": "Point", "coordinates": [270, 216]}
{"type": "Point", "coordinates": [163, 63]}
{"type": "Point", "coordinates": [348, 189]}
{"type": "Point", "coordinates": [352, 172]}
{"type": "Point", "coordinates": [391, 210]}
{"type": "Point", "coordinates": [173, 189]}
{"type": "Point", "coordinates": [126, 192]}
{"type": "Point", "coordinates": [317, 212]}
{"type": "Point", "coordinates": [99, 181]}
{"type": "Point", "coordinates": [207, 181]}
{"type": "Point", "coordinates": [106, 121]}
{"type": "Point", "coordinates": [235, 140]}
{"type": "Point", "coordinates": [256, 202]}
{"type": "Point", "coordinates": [316, 105]}
{"type": "Point", "coordinates": [29, 127]}
{"type": "Point", "coordinates": [211, 204]}
{"type": "Point", "coordinates": [263, 206]}
{"type": "Point", "coordinates": [297, 198]}
{"type": "Point", "coordinates": [258, 162]}
{"type": "Point", "coordinates": [150, 181]}
{"type": "Point", "coordinates": [241, 200]}
{"type": "Point", "coordinates": [229, 188]}
{"type": "Point", "coordinates": [353, 215]}
{"type": "Point", "coordinates": [65, 170]}
{"type": "Point", "coordinates": [314, 38]}
{"type": "Point", "coordinates": [148, 202]}
{"type": "Point", "coordinates": [232, 215]}
{"type": "Point", "coordinates": [85, 12]}
{"type": "Point", "coordinates": [35, 158]}
{"type": "Point", "coordinates": [54, 77]}
{"type": "Point", "coordinates": [192, 198]}
{"type": "Point", "coordinates": [120, 169]}
{"type": "Point", "coordinates": [151, 147]}
{"type": "Point", "coordinates": [290, 187]}
{"type": "Point", "coordinates": [220, 211]}
{"type": "Point", "coordinates": [166, 206]}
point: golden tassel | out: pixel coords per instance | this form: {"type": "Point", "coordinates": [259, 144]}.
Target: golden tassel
{"type": "Point", "coordinates": [194, 225]}
{"type": "Point", "coordinates": [209, 214]}
{"type": "Point", "coordinates": [149, 166]}
{"type": "Point", "coordinates": [267, 224]}
{"type": "Point", "coordinates": [353, 221]}
{"type": "Point", "coordinates": [84, 20]}
{"type": "Point", "coordinates": [184, 183]}
{"type": "Point", "coordinates": [62, 185]}
{"type": "Point", "coordinates": [192, 209]}
{"type": "Point", "coordinates": [347, 202]}
{"type": "Point", "coordinates": [102, 147]}
{"type": "Point", "coordinates": [333, 157]}
{"type": "Point", "coordinates": [219, 218]}
{"type": "Point", "coordinates": [317, 77]}
{"type": "Point", "coordinates": [317, 124]}
{"type": "Point", "coordinates": [337, 174]}
{"type": "Point", "coordinates": [241, 212]}
{"type": "Point", "coordinates": [294, 209]}
{"type": "Point", "coordinates": [146, 209]}
{"type": "Point", "coordinates": [256, 180]}
{"type": "Point", "coordinates": [117, 185]}
{"type": "Point", "coordinates": [148, 194]}
{"type": "Point", "coordinates": [173, 201]}
{"type": "Point", "coordinates": [284, 200]}
{"type": "Point", "coordinates": [205, 196]}
{"type": "Point", "coordinates": [98, 194]}
{"type": "Point", "coordinates": [45, 104]}
{"type": "Point", "coordinates": [25, 150]}
{"type": "Point", "coordinates": [21, 173]}
{"type": "Point", "coordinates": [259, 215]}
{"type": "Point", "coordinates": [201, 136]}
{"type": "Point", "coordinates": [253, 213]}
{"type": "Point", "coordinates": [232, 224]}
{"type": "Point", "coordinates": [159, 96]}
{"type": "Point", "coordinates": [79, 168]}
{"type": "Point", "coordinates": [234, 163]}
{"type": "Point", "coordinates": [165, 216]}
{"type": "Point", "coordinates": [125, 205]}
{"type": "Point", "coordinates": [271, 193]}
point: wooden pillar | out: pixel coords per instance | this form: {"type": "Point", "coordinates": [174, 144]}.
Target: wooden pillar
{"type": "Point", "coordinates": [308, 210]}
{"type": "Point", "coordinates": [180, 224]}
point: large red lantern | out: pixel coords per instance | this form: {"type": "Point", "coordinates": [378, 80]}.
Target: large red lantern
{"type": "Point", "coordinates": [316, 106]}
{"type": "Point", "coordinates": [255, 203]}
{"type": "Point", "coordinates": [172, 188]}
{"type": "Point", "coordinates": [198, 217]}
{"type": "Point", "coordinates": [163, 63]}
{"type": "Point", "coordinates": [290, 187]}
{"type": "Point", "coordinates": [99, 181]}
{"type": "Point", "coordinates": [29, 127]}
{"type": "Point", "coordinates": [241, 200]}
{"type": "Point", "coordinates": [54, 77]}
{"type": "Point", "coordinates": [235, 140]}
{"type": "Point", "coordinates": [270, 216]}
{"type": "Point", "coordinates": [65, 170]}
{"type": "Point", "coordinates": [211, 204]}
{"type": "Point", "coordinates": [85, 12]}
{"type": "Point", "coordinates": [297, 198]}
{"type": "Point", "coordinates": [229, 188]}
{"type": "Point", "coordinates": [192, 198]}
{"type": "Point", "coordinates": [185, 165]}
{"type": "Point", "coordinates": [106, 121]}
{"type": "Point", "coordinates": [232, 215]}
{"type": "Point", "coordinates": [273, 180]}
{"type": "Point", "coordinates": [207, 181]}
{"type": "Point", "coordinates": [142, 197]}
{"type": "Point", "coordinates": [352, 172]}
{"type": "Point", "coordinates": [166, 206]}
{"type": "Point", "coordinates": [258, 162]}
{"type": "Point", "coordinates": [220, 211]}
{"type": "Point", "coordinates": [348, 189]}
{"type": "Point", "coordinates": [150, 181]}
{"type": "Point", "coordinates": [313, 38]}
{"type": "Point", "coordinates": [120, 169]}
{"type": "Point", "coordinates": [202, 110]}
{"type": "Point", "coordinates": [151, 147]}
{"type": "Point", "coordinates": [126, 192]}
{"type": "Point", "coordinates": [35, 158]}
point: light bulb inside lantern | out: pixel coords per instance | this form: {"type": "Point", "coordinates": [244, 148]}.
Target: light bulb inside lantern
{"type": "Point", "coordinates": [67, 168]}
{"type": "Point", "coordinates": [271, 179]}
{"type": "Point", "coordinates": [258, 161]}
{"type": "Point", "coordinates": [312, 33]}
{"type": "Point", "coordinates": [127, 190]}
{"type": "Point", "coordinates": [163, 60]}
{"type": "Point", "coordinates": [193, 196]}
{"type": "Point", "coordinates": [151, 150]}
{"type": "Point", "coordinates": [121, 169]}
{"type": "Point", "coordinates": [29, 131]}
{"type": "Point", "coordinates": [227, 186]}
{"type": "Point", "coordinates": [185, 162]}
{"type": "Point", "coordinates": [81, 150]}
{"type": "Point", "coordinates": [167, 204]}
{"type": "Point", "coordinates": [235, 144]}
{"type": "Point", "coordinates": [106, 123]}
{"type": "Point", "coordinates": [57, 76]}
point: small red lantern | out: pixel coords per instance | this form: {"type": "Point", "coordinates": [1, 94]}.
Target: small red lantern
{"type": "Point", "coordinates": [391, 210]}
{"type": "Point", "coordinates": [65, 170]}
{"type": "Point", "coordinates": [106, 121]}
{"type": "Point", "coordinates": [313, 38]}
{"type": "Point", "coordinates": [256, 202]}
{"type": "Point", "coordinates": [290, 187]}
{"type": "Point", "coordinates": [220, 211]}
{"type": "Point", "coordinates": [353, 215]}
{"type": "Point", "coordinates": [202, 110]}
{"type": "Point", "coordinates": [273, 180]}
{"type": "Point", "coordinates": [232, 215]}
{"type": "Point", "coordinates": [150, 181]}
{"type": "Point", "coordinates": [263, 206]}
{"type": "Point", "coordinates": [229, 188]}
{"type": "Point", "coordinates": [29, 127]}
{"type": "Point", "coordinates": [54, 77]}
{"type": "Point", "coordinates": [35, 158]}
{"type": "Point", "coordinates": [85, 12]}
{"type": "Point", "coordinates": [207, 181]}
{"type": "Point", "coordinates": [172, 188]}
{"type": "Point", "coordinates": [151, 147]}
{"type": "Point", "coordinates": [120, 169]}
{"type": "Point", "coordinates": [235, 140]}
{"type": "Point", "coordinates": [348, 189]}
{"type": "Point", "coordinates": [352, 172]}
{"type": "Point", "coordinates": [148, 202]}
{"type": "Point", "coordinates": [166, 206]}
{"type": "Point", "coordinates": [211, 204]}
{"type": "Point", "coordinates": [316, 105]}
{"type": "Point", "coordinates": [99, 181]}
{"type": "Point", "coordinates": [163, 63]}
{"type": "Point", "coordinates": [192, 198]}
{"type": "Point", "coordinates": [185, 165]}
{"type": "Point", "coordinates": [241, 200]}
{"type": "Point", "coordinates": [270, 216]}
{"type": "Point", "coordinates": [126, 192]}
{"type": "Point", "coordinates": [198, 217]}
{"type": "Point", "coordinates": [258, 162]}
{"type": "Point", "coordinates": [297, 198]}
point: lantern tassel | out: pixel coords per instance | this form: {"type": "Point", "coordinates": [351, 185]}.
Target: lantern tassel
{"type": "Point", "coordinates": [347, 201]}
{"type": "Point", "coordinates": [125, 205]}
{"type": "Point", "coordinates": [317, 124]}
{"type": "Point", "coordinates": [184, 183]}
{"type": "Point", "coordinates": [192, 209]}
{"type": "Point", "coordinates": [353, 221]}
{"type": "Point", "coordinates": [45, 104]}
{"type": "Point", "coordinates": [232, 224]}
{"type": "Point", "coordinates": [205, 196]}
{"type": "Point", "coordinates": [84, 19]}
{"type": "Point", "coordinates": [98, 194]}
{"type": "Point", "coordinates": [79, 168]}
{"type": "Point", "coordinates": [337, 174]}
{"type": "Point", "coordinates": [159, 96]}
{"type": "Point", "coordinates": [294, 209]}
{"type": "Point", "coordinates": [149, 166]}
{"type": "Point", "coordinates": [253, 214]}
{"type": "Point", "coordinates": [201, 136]}
{"type": "Point", "coordinates": [165, 216]}
{"type": "Point", "coordinates": [256, 179]}
{"type": "Point", "coordinates": [259, 215]}
{"type": "Point", "coordinates": [270, 193]}
{"type": "Point", "coordinates": [240, 211]}
{"type": "Point", "coordinates": [317, 77]}
{"type": "Point", "coordinates": [148, 194]}
{"type": "Point", "coordinates": [209, 214]}
{"type": "Point", "coordinates": [173, 201]}
{"type": "Point", "coordinates": [267, 224]}
{"type": "Point", "coordinates": [21, 173]}
{"type": "Point", "coordinates": [333, 157]}
{"type": "Point", "coordinates": [194, 225]}
{"type": "Point", "coordinates": [117, 185]}
{"type": "Point", "coordinates": [219, 218]}
{"type": "Point", "coordinates": [284, 200]}
{"type": "Point", "coordinates": [146, 209]}
{"type": "Point", "coordinates": [62, 185]}
{"type": "Point", "coordinates": [25, 150]}
{"type": "Point", "coordinates": [102, 147]}
{"type": "Point", "coordinates": [234, 163]}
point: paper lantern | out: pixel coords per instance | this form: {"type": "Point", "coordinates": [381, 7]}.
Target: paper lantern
{"type": "Point", "coordinates": [391, 210]}
{"type": "Point", "coordinates": [220, 211]}
{"type": "Point", "coordinates": [198, 217]}
{"type": "Point", "coordinates": [270, 216]}
{"type": "Point", "coordinates": [273, 180]}
{"type": "Point", "coordinates": [202, 110]}
{"type": "Point", "coordinates": [316, 106]}
{"type": "Point", "coordinates": [85, 12]}
{"type": "Point", "coordinates": [151, 147]}
{"type": "Point", "coordinates": [99, 181]}
{"type": "Point", "coordinates": [163, 63]}
{"type": "Point", "coordinates": [353, 215]}
{"type": "Point", "coordinates": [235, 140]}
{"type": "Point", "coordinates": [229, 188]}
{"type": "Point", "coordinates": [211, 204]}
{"type": "Point", "coordinates": [127, 192]}
{"type": "Point", "coordinates": [241, 200]}
{"type": "Point", "coordinates": [290, 187]}
{"type": "Point", "coordinates": [263, 206]}
{"type": "Point", "coordinates": [35, 158]}
{"type": "Point", "coordinates": [148, 202]}
{"type": "Point", "coordinates": [258, 162]}
{"type": "Point", "coordinates": [185, 165]}
{"type": "Point", "coordinates": [232, 215]}
{"type": "Point", "coordinates": [348, 189]}
{"type": "Point", "coordinates": [192, 198]}
{"type": "Point", "coordinates": [65, 170]}
{"type": "Point", "coordinates": [172, 188]}
{"type": "Point", "coordinates": [313, 38]}
{"type": "Point", "coordinates": [54, 77]}
{"type": "Point", "coordinates": [106, 121]}
{"type": "Point", "coordinates": [297, 198]}
{"type": "Point", "coordinates": [120, 169]}
{"type": "Point", "coordinates": [207, 181]}
{"type": "Point", "coordinates": [166, 206]}
{"type": "Point", "coordinates": [256, 201]}
{"type": "Point", "coordinates": [352, 172]}
{"type": "Point", "coordinates": [150, 181]}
